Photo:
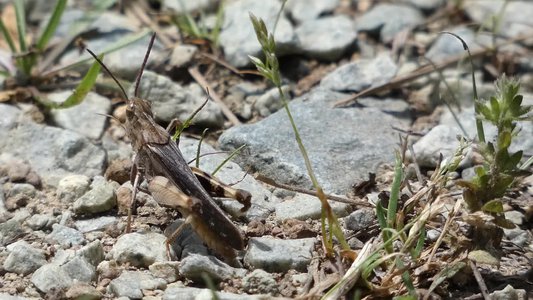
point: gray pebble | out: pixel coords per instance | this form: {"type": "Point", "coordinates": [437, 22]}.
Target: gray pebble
{"type": "Point", "coordinates": [389, 20]}
{"type": "Point", "coordinates": [194, 265]}
{"type": "Point", "coordinates": [237, 37]}
{"type": "Point", "coordinates": [140, 250]}
{"type": "Point", "coordinates": [23, 258]}
{"type": "Point", "coordinates": [79, 269]}
{"type": "Point", "coordinates": [41, 221]}
{"type": "Point", "coordinates": [360, 219]}
{"type": "Point", "coordinates": [168, 270]}
{"type": "Point", "coordinates": [65, 236]}
{"type": "Point", "coordinates": [83, 291]}
{"type": "Point", "coordinates": [92, 252]}
{"type": "Point", "coordinates": [170, 100]}
{"type": "Point", "coordinates": [303, 207]}
{"type": "Point", "coordinates": [270, 102]}
{"type": "Point", "coordinates": [72, 187]}
{"type": "Point", "coordinates": [326, 38]}
{"type": "Point", "coordinates": [260, 282]}
{"type": "Point", "coordinates": [101, 197]}
{"type": "Point", "coordinates": [96, 224]}
{"type": "Point", "coordinates": [50, 276]}
{"type": "Point", "coordinates": [131, 283]}
{"type": "Point", "coordinates": [10, 231]}
{"type": "Point", "coordinates": [276, 255]}
{"type": "Point", "coordinates": [304, 10]}
{"type": "Point", "coordinates": [360, 74]}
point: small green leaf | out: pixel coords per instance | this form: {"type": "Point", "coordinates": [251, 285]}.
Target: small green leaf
{"type": "Point", "coordinates": [504, 139]}
{"type": "Point", "coordinates": [493, 206]}
{"type": "Point", "coordinates": [52, 24]}
{"type": "Point", "coordinates": [21, 24]}
{"type": "Point", "coordinates": [495, 108]}
{"type": "Point", "coordinates": [7, 37]}
{"type": "Point", "coordinates": [83, 88]}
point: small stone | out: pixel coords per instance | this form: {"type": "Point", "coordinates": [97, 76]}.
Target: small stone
{"type": "Point", "coordinates": [10, 231]}
{"type": "Point", "coordinates": [79, 269]}
{"type": "Point", "coordinates": [100, 198]}
{"type": "Point", "coordinates": [93, 252]}
{"type": "Point", "coordinates": [131, 283]}
{"type": "Point", "coordinates": [170, 100]}
{"type": "Point", "coordinates": [326, 38]}
{"type": "Point", "coordinates": [168, 270]}
{"type": "Point", "coordinates": [72, 187]}
{"type": "Point", "coordinates": [433, 234]}
{"type": "Point", "coordinates": [83, 291]}
{"type": "Point", "coordinates": [96, 224]}
{"type": "Point", "coordinates": [50, 276]}
{"type": "Point", "coordinates": [508, 293]}
{"type": "Point", "coordinates": [182, 55]}
{"type": "Point", "coordinates": [389, 20]}
{"type": "Point", "coordinates": [194, 265]}
{"type": "Point", "coordinates": [23, 258]}
{"type": "Point", "coordinates": [303, 207]}
{"type": "Point", "coordinates": [17, 169]}
{"type": "Point", "coordinates": [515, 216]}
{"type": "Point", "coordinates": [517, 236]}
{"type": "Point", "coordinates": [41, 221]}
{"type": "Point", "coordinates": [108, 269]}
{"type": "Point", "coordinates": [361, 74]}
{"type": "Point", "coordinates": [270, 101]}
{"type": "Point", "coordinates": [304, 10]}
{"type": "Point", "coordinates": [65, 236]}
{"type": "Point", "coordinates": [360, 219]}
{"type": "Point", "coordinates": [276, 255]}
{"type": "Point", "coordinates": [260, 282]}
{"type": "Point", "coordinates": [140, 250]}
{"type": "Point", "coordinates": [119, 170]}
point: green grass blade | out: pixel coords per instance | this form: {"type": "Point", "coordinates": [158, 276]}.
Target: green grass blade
{"type": "Point", "coordinates": [395, 192]}
{"type": "Point", "coordinates": [21, 24]}
{"type": "Point", "coordinates": [228, 158]}
{"type": "Point", "coordinates": [83, 88]}
{"type": "Point", "coordinates": [197, 162]}
{"type": "Point", "coordinates": [52, 24]}
{"type": "Point", "coordinates": [7, 37]}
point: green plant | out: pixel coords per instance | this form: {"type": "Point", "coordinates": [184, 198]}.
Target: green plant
{"type": "Point", "coordinates": [500, 168]}
{"type": "Point", "coordinates": [269, 68]}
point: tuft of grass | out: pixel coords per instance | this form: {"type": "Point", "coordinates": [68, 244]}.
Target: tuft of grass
{"type": "Point", "coordinates": [269, 69]}
{"type": "Point", "coordinates": [26, 56]}
{"type": "Point", "coordinates": [198, 29]}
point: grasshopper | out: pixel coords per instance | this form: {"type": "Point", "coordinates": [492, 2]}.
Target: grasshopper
{"type": "Point", "coordinates": [172, 182]}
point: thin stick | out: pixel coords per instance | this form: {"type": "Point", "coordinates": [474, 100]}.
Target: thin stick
{"type": "Point", "coordinates": [225, 110]}
{"type": "Point", "coordinates": [480, 281]}
{"type": "Point", "coordinates": [222, 62]}
{"type": "Point", "coordinates": [109, 73]}
{"type": "Point", "coordinates": [140, 74]}
{"type": "Point", "coordinates": [140, 13]}
{"type": "Point", "coordinates": [310, 192]}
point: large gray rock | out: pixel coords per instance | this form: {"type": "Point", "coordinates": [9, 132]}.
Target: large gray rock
{"type": "Point", "coordinates": [343, 144]}
{"type": "Point", "coordinates": [276, 255]}
{"type": "Point", "coordinates": [171, 100]}
{"type": "Point", "coordinates": [361, 74]}
{"type": "Point", "coordinates": [389, 20]}
{"type": "Point", "coordinates": [86, 118]}
{"type": "Point", "coordinates": [303, 207]}
{"type": "Point", "coordinates": [65, 236]}
{"type": "Point", "coordinates": [10, 231]}
{"type": "Point", "coordinates": [326, 38]}
{"type": "Point", "coordinates": [52, 152]}
{"type": "Point", "coordinates": [237, 37]}
{"type": "Point", "coordinates": [51, 276]}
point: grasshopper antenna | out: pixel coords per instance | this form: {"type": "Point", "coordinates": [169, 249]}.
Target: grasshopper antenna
{"type": "Point", "coordinates": [109, 73]}
{"type": "Point", "coordinates": [138, 79]}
